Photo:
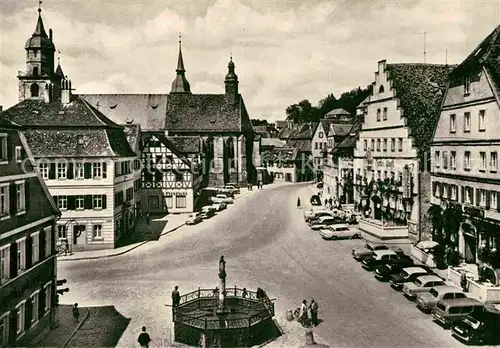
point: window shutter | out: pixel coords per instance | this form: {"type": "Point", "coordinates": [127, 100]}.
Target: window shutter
{"type": "Point", "coordinates": [41, 242]}
{"type": "Point", "coordinates": [27, 314]}
{"type": "Point", "coordinates": [434, 186]}
{"type": "Point", "coordinates": [87, 202]}
{"type": "Point", "coordinates": [104, 170]}
{"type": "Point", "coordinates": [52, 171]}
{"type": "Point", "coordinates": [9, 149]}
{"type": "Point", "coordinates": [462, 194]}
{"type": "Point", "coordinates": [104, 202]}
{"type": "Point", "coordinates": [488, 197]}
{"type": "Point", "coordinates": [55, 200]}
{"type": "Point", "coordinates": [41, 303]}
{"type": "Point", "coordinates": [28, 248]}
{"type": "Point", "coordinates": [87, 169]}
{"type": "Point", "coordinates": [498, 200]}
{"type": "Point", "coordinates": [441, 190]}
{"type": "Point", "coordinates": [71, 203]}
{"type": "Point", "coordinates": [26, 194]}
{"type": "Point", "coordinates": [71, 171]}
{"type": "Point", "coordinates": [12, 197]}
{"type": "Point", "coordinates": [477, 197]}
{"type": "Point", "coordinates": [13, 327]}
{"type": "Point", "coordinates": [449, 191]}
{"type": "Point", "coordinates": [13, 260]}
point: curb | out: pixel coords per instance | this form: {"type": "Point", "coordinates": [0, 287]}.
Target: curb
{"type": "Point", "coordinates": [125, 251]}
{"type": "Point", "coordinates": [76, 329]}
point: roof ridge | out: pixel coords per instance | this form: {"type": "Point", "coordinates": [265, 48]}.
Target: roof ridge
{"type": "Point", "coordinates": [93, 110]}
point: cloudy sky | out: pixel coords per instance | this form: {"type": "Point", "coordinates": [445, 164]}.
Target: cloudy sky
{"type": "Point", "coordinates": [284, 51]}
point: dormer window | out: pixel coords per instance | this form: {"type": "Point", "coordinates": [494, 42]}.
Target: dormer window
{"type": "Point", "coordinates": [467, 85]}
{"type": "Point", "coordinates": [381, 89]}
{"type": "Point", "coordinates": [35, 71]}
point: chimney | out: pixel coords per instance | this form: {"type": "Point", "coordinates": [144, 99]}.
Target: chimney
{"type": "Point", "coordinates": [50, 35]}
{"type": "Point", "coordinates": [65, 91]}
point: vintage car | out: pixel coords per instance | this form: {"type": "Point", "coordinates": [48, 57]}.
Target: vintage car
{"type": "Point", "coordinates": [207, 211]}
{"type": "Point", "coordinates": [481, 327]}
{"type": "Point", "coordinates": [219, 206]}
{"type": "Point", "coordinates": [383, 272]}
{"type": "Point", "coordinates": [339, 231]}
{"type": "Point", "coordinates": [408, 274]}
{"type": "Point", "coordinates": [360, 254]}
{"type": "Point", "coordinates": [233, 188]}
{"type": "Point", "coordinates": [324, 222]}
{"type": "Point", "coordinates": [315, 200]}
{"type": "Point", "coordinates": [421, 284]}
{"type": "Point", "coordinates": [379, 257]}
{"type": "Point", "coordinates": [311, 213]}
{"type": "Point", "coordinates": [222, 198]}
{"type": "Point", "coordinates": [193, 219]}
{"type": "Point", "coordinates": [318, 215]}
{"type": "Point", "coordinates": [426, 301]}
{"type": "Point", "coordinates": [446, 312]}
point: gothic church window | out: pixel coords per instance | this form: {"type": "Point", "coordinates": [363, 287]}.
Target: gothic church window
{"type": "Point", "coordinates": [230, 153]}
{"type": "Point", "coordinates": [35, 90]}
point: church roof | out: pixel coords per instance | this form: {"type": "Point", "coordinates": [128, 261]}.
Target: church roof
{"type": "Point", "coordinates": [199, 113]}
{"type": "Point", "coordinates": [133, 132]}
{"type": "Point", "coordinates": [59, 72]}
{"type": "Point", "coordinates": [180, 83]}
{"type": "Point", "coordinates": [39, 39]}
{"type": "Point", "coordinates": [186, 144]}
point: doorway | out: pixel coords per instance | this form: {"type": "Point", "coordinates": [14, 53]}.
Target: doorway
{"type": "Point", "coordinates": [78, 234]}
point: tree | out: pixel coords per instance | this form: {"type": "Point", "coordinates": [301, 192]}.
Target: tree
{"type": "Point", "coordinates": [257, 122]}
{"type": "Point", "coordinates": [327, 104]}
{"type": "Point", "coordinates": [302, 112]}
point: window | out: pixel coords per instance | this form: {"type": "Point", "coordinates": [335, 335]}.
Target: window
{"type": "Point", "coordinates": [378, 144]}
{"type": "Point", "coordinates": [384, 114]}
{"type": "Point", "coordinates": [445, 159]}
{"type": "Point", "coordinates": [43, 168]}
{"type": "Point", "coordinates": [493, 161]}
{"type": "Point", "coordinates": [34, 307]}
{"type": "Point", "coordinates": [97, 231]}
{"type": "Point", "coordinates": [482, 161]}
{"type": "Point", "coordinates": [79, 202]}
{"type": "Point", "coordinates": [385, 145]}
{"type": "Point", "coordinates": [381, 89]}
{"type": "Point", "coordinates": [21, 255]}
{"type": "Point", "coordinates": [20, 313]}
{"type": "Point", "coordinates": [79, 171]}
{"type": "Point", "coordinates": [400, 145]}
{"type": "Point", "coordinates": [96, 170]}
{"type": "Point", "coordinates": [453, 159]}
{"type": "Point", "coordinates": [35, 69]}
{"type": "Point", "coordinates": [454, 192]}
{"type": "Point", "coordinates": [378, 114]}
{"type": "Point", "coordinates": [4, 200]}
{"type": "Point", "coordinates": [315, 146]}
{"type": "Point", "coordinates": [320, 134]}
{"type": "Point", "coordinates": [62, 202]}
{"type": "Point", "coordinates": [19, 153]}
{"type": "Point", "coordinates": [467, 122]}
{"type": "Point", "coordinates": [365, 145]}
{"type": "Point", "coordinates": [436, 189]}
{"type": "Point", "coordinates": [3, 147]}
{"type": "Point", "coordinates": [482, 198]}
{"type": "Point", "coordinates": [4, 330]}
{"type": "Point", "coordinates": [4, 263]}
{"type": "Point", "coordinates": [97, 201]}
{"type": "Point", "coordinates": [35, 90]}
{"type": "Point", "coordinates": [467, 85]}
{"type": "Point", "coordinates": [453, 123]}
{"type": "Point", "coordinates": [493, 199]}
{"type": "Point", "coordinates": [180, 201]}
{"type": "Point", "coordinates": [467, 160]}
{"type": "Point", "coordinates": [35, 248]}
{"type": "Point", "coordinates": [437, 159]}
{"type": "Point", "coordinates": [469, 195]}
{"type": "Point", "coordinates": [482, 120]}
{"type": "Point", "coordinates": [169, 201]}
{"type": "Point", "coordinates": [48, 241]}
{"type": "Point", "coordinates": [61, 231]}
{"type": "Point", "coordinates": [20, 197]}
{"type": "Point", "coordinates": [373, 145]}
{"type": "Point", "coordinates": [393, 144]}
{"type": "Point", "coordinates": [48, 297]}
{"type": "Point", "coordinates": [61, 170]}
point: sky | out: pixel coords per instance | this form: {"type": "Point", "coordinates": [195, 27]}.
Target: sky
{"type": "Point", "coordinates": [284, 51]}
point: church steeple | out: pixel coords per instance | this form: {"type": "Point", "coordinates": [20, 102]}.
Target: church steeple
{"type": "Point", "coordinates": [231, 83]}
{"type": "Point", "coordinates": [180, 84]}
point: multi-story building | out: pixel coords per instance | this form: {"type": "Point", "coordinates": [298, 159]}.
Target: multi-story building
{"type": "Point", "coordinates": [390, 159]}
{"type": "Point", "coordinates": [171, 183]}
{"type": "Point", "coordinates": [287, 164]}
{"type": "Point", "coordinates": [27, 244]}
{"type": "Point", "coordinates": [318, 144]}
{"type": "Point", "coordinates": [465, 148]}
{"type": "Point", "coordinates": [83, 157]}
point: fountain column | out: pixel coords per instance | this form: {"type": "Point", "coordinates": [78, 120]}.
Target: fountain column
{"type": "Point", "coordinates": [222, 286]}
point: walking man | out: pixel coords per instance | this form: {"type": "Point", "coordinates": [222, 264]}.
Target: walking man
{"type": "Point", "coordinates": [76, 313]}
{"type": "Point", "coordinates": [463, 282]}
{"type": "Point", "coordinates": [147, 218]}
{"type": "Point", "coordinates": [303, 313]}
{"type": "Point", "coordinates": [298, 202]}
{"type": "Point", "coordinates": [314, 312]}
{"type": "Point", "coordinates": [176, 296]}
{"type": "Point", "coordinates": [144, 338]}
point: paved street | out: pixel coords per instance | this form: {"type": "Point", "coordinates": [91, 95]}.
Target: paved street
{"type": "Point", "coordinates": [266, 243]}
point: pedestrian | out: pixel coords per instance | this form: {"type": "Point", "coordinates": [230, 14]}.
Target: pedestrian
{"type": "Point", "coordinates": [144, 338]}
{"type": "Point", "coordinates": [313, 306]}
{"type": "Point", "coordinates": [326, 202]}
{"type": "Point", "coordinates": [147, 218]}
{"type": "Point", "coordinates": [66, 247]}
{"type": "Point", "coordinates": [245, 293]}
{"type": "Point", "coordinates": [298, 202]}
{"type": "Point", "coordinates": [330, 201]}
{"type": "Point", "coordinates": [176, 296]}
{"type": "Point", "coordinates": [303, 313]}
{"type": "Point", "coordinates": [463, 282]}
{"type": "Point", "coordinates": [76, 313]}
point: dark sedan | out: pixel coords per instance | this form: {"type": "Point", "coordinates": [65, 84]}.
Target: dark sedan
{"type": "Point", "coordinates": [379, 257]}
{"type": "Point", "coordinates": [408, 274]}
{"type": "Point", "coordinates": [383, 272]}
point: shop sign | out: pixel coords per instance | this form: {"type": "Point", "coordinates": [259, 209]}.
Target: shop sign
{"type": "Point", "coordinates": [406, 183]}
{"type": "Point", "coordinates": [385, 163]}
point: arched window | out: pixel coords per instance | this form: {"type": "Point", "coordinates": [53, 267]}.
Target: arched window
{"type": "Point", "coordinates": [210, 151]}
{"type": "Point", "coordinates": [381, 89]}
{"type": "Point", "coordinates": [230, 153]}
{"type": "Point", "coordinates": [35, 71]}
{"type": "Point", "coordinates": [35, 90]}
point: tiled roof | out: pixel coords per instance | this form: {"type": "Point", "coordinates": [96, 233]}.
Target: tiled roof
{"type": "Point", "coordinates": [487, 53]}
{"type": "Point", "coordinates": [186, 144]}
{"type": "Point", "coordinates": [63, 143]}
{"type": "Point", "coordinates": [203, 113]}
{"type": "Point", "coordinates": [78, 113]}
{"type": "Point", "coordinates": [348, 142]}
{"type": "Point", "coordinates": [132, 132]}
{"type": "Point", "coordinates": [341, 129]}
{"type": "Point", "coordinates": [272, 142]}
{"type": "Point", "coordinates": [337, 112]}
{"type": "Point", "coordinates": [419, 88]}
{"type": "Point", "coordinates": [146, 109]}
{"type": "Point", "coordinates": [305, 131]}
{"type": "Point", "coordinates": [280, 154]}
{"type": "Point", "coordinates": [7, 124]}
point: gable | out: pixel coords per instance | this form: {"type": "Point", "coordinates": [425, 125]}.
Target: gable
{"type": "Point", "coordinates": [158, 144]}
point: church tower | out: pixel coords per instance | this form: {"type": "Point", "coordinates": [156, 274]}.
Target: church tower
{"type": "Point", "coordinates": [37, 82]}
{"type": "Point", "coordinates": [231, 83]}
{"type": "Point", "coordinates": [180, 84]}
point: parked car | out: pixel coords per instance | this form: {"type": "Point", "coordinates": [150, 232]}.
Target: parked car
{"type": "Point", "coordinates": [318, 215]}
{"type": "Point", "coordinates": [379, 257]}
{"type": "Point", "coordinates": [446, 312]}
{"type": "Point", "coordinates": [222, 198]}
{"type": "Point", "coordinates": [383, 272]}
{"type": "Point", "coordinates": [421, 284]}
{"type": "Point", "coordinates": [233, 188]}
{"type": "Point", "coordinates": [309, 214]}
{"type": "Point", "coordinates": [359, 254]}
{"type": "Point", "coordinates": [408, 274]}
{"type": "Point", "coordinates": [319, 185]}
{"type": "Point", "coordinates": [315, 200]}
{"type": "Point", "coordinates": [219, 206]}
{"type": "Point", "coordinates": [207, 211]}
{"type": "Point", "coordinates": [426, 301]}
{"type": "Point", "coordinates": [226, 192]}
{"type": "Point", "coordinates": [339, 231]}
{"type": "Point", "coordinates": [324, 222]}
{"type": "Point", "coordinates": [480, 327]}
{"type": "Point", "coordinates": [193, 219]}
